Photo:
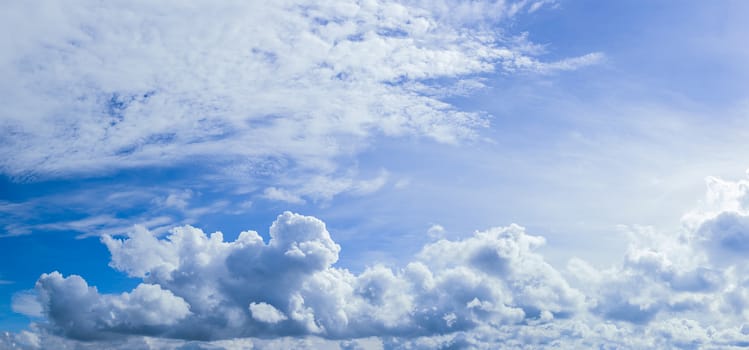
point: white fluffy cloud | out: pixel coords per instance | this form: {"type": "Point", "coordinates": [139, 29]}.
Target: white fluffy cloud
{"type": "Point", "coordinates": [671, 290]}
{"type": "Point", "coordinates": [266, 313]}
{"type": "Point", "coordinates": [92, 86]}
{"type": "Point", "coordinates": [487, 288]}
{"type": "Point", "coordinates": [79, 311]}
{"type": "Point", "coordinates": [205, 288]}
{"type": "Point", "coordinates": [696, 275]}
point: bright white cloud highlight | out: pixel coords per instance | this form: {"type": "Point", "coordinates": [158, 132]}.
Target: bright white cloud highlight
{"type": "Point", "coordinates": [266, 313]}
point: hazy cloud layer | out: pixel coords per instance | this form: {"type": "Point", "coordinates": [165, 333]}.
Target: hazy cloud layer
{"type": "Point", "coordinates": [673, 290]}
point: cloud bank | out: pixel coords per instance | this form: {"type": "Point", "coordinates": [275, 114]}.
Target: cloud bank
{"type": "Point", "coordinates": [672, 290]}
{"type": "Point", "coordinates": [209, 289]}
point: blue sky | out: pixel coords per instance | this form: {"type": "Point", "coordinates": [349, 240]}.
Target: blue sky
{"type": "Point", "coordinates": [407, 140]}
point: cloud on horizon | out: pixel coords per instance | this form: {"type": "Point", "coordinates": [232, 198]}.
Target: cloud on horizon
{"type": "Point", "coordinates": [210, 289]}
{"type": "Point", "coordinates": [472, 292]}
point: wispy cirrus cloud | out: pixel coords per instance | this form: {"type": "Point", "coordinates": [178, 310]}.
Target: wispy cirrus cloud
{"type": "Point", "coordinates": [101, 87]}
{"type": "Point", "coordinates": [107, 209]}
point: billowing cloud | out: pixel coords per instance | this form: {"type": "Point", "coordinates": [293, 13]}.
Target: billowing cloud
{"type": "Point", "coordinates": [205, 288]}
{"type": "Point", "coordinates": [726, 236]}
{"type": "Point", "coordinates": [696, 273]}
{"type": "Point", "coordinates": [79, 311]}
{"type": "Point", "coordinates": [672, 290]}
{"type": "Point", "coordinates": [102, 86]}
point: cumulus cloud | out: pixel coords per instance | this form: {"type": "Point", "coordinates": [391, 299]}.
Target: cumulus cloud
{"type": "Point", "coordinates": [680, 282]}
{"type": "Point", "coordinates": [203, 287]}
{"type": "Point", "coordinates": [266, 313]}
{"type": "Point", "coordinates": [671, 290]}
{"type": "Point", "coordinates": [114, 85]}
{"type": "Point", "coordinates": [436, 231]}
{"type": "Point", "coordinates": [79, 311]}
{"type": "Point", "coordinates": [725, 236]}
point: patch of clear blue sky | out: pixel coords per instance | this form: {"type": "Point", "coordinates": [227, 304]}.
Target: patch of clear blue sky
{"type": "Point", "coordinates": [689, 47]}
{"type": "Point", "coordinates": [555, 166]}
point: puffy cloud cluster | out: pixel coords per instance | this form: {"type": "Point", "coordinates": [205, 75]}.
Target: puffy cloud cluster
{"type": "Point", "coordinates": [722, 226]}
{"type": "Point", "coordinates": [684, 289]}
{"type": "Point", "coordinates": [79, 311]}
{"type": "Point", "coordinates": [92, 86]}
{"type": "Point", "coordinates": [699, 270]}
{"type": "Point", "coordinates": [204, 288]}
